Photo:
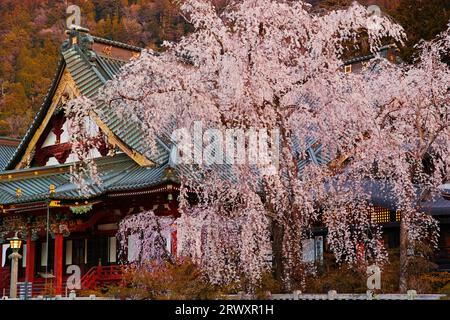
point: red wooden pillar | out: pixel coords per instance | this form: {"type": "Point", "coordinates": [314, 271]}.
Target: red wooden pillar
{"type": "Point", "coordinates": [31, 249]}
{"type": "Point", "coordinates": [58, 263]}
{"type": "Point", "coordinates": [173, 241]}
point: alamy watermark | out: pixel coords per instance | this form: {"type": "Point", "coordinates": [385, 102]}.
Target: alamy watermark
{"type": "Point", "coordinates": [74, 280]}
{"type": "Point", "coordinates": [232, 146]}
{"type": "Point", "coordinates": [373, 277]}
{"type": "Point", "coordinates": [375, 14]}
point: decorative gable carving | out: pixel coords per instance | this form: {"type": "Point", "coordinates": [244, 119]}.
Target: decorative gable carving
{"type": "Point", "coordinates": [50, 144]}
{"type": "Point", "coordinates": [48, 140]}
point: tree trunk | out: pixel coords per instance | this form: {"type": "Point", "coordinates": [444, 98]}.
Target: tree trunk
{"type": "Point", "coordinates": [277, 249]}
{"type": "Point", "coordinates": [403, 286]}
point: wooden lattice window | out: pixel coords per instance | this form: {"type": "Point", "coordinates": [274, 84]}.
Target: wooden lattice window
{"type": "Point", "coordinates": [384, 215]}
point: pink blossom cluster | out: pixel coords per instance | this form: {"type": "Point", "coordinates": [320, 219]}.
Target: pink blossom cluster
{"type": "Point", "coordinates": [275, 64]}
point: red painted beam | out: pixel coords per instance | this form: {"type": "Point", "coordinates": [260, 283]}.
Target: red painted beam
{"type": "Point", "coordinates": [91, 222]}
{"type": "Point", "coordinates": [58, 263]}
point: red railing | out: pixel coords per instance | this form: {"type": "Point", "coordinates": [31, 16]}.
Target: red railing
{"type": "Point", "coordinates": [96, 277]}
{"type": "Point", "coordinates": [89, 279]}
{"type": "Point", "coordinates": [44, 287]}
{"type": "Point", "coordinates": [101, 275]}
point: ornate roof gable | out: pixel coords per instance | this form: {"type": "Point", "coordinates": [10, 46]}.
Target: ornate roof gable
{"type": "Point", "coordinates": [86, 64]}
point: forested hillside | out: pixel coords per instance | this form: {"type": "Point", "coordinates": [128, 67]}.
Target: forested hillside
{"type": "Point", "coordinates": [31, 32]}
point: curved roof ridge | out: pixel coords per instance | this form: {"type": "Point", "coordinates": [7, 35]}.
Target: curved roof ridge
{"type": "Point", "coordinates": [116, 43]}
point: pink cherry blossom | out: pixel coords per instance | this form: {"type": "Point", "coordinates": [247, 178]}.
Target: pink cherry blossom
{"type": "Point", "coordinates": [269, 64]}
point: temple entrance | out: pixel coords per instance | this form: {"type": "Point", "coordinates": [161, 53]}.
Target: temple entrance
{"type": "Point", "coordinates": [98, 251]}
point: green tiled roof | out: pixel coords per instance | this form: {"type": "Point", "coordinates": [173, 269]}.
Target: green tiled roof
{"type": "Point", "coordinates": [383, 52]}
{"type": "Point", "coordinates": [91, 71]}
{"type": "Point", "coordinates": [116, 173]}
{"type": "Point", "coordinates": [6, 152]}
{"type": "Point", "coordinates": [90, 75]}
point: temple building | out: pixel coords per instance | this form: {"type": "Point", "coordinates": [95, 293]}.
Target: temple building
{"type": "Point", "coordinates": [36, 187]}
{"type": "Point", "coordinates": [60, 226]}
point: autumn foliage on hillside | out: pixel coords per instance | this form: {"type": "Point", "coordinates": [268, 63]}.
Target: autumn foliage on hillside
{"type": "Point", "coordinates": [31, 32]}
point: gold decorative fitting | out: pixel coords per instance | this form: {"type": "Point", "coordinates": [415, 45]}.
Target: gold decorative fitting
{"type": "Point", "coordinates": [55, 203]}
{"type": "Point", "coordinates": [18, 192]}
{"type": "Point", "coordinates": [10, 176]}
{"type": "Point", "coordinates": [52, 188]}
{"type": "Point", "coordinates": [107, 50]}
